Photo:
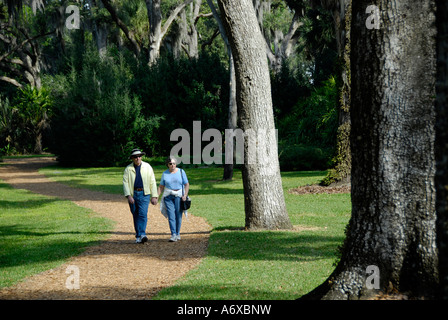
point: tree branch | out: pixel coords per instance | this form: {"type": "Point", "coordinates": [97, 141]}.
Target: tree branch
{"type": "Point", "coordinates": [220, 24]}
{"type": "Point", "coordinates": [210, 41]}
{"type": "Point", "coordinates": [291, 38]}
{"type": "Point", "coordinates": [11, 81]}
{"type": "Point", "coordinates": [173, 16]}
{"type": "Point", "coordinates": [129, 34]}
{"type": "Point", "coordinates": [23, 43]}
{"type": "Point", "coordinates": [203, 15]}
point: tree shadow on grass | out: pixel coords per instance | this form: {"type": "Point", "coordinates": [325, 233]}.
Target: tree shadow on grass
{"type": "Point", "coordinates": [15, 230]}
{"type": "Point", "coordinates": [272, 245]}
{"type": "Point", "coordinates": [225, 291]}
{"type": "Point", "coordinates": [27, 204]}
{"type": "Point", "coordinates": [34, 246]}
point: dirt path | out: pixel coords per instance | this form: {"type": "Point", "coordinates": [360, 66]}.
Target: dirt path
{"type": "Point", "coordinates": [117, 268]}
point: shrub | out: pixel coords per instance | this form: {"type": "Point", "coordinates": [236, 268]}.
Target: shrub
{"type": "Point", "coordinates": [6, 126]}
{"type": "Point", "coordinates": [33, 110]}
{"type": "Point", "coordinates": [181, 91]}
{"type": "Point", "coordinates": [313, 120]}
{"type": "Point", "coordinates": [296, 157]}
{"type": "Point", "coordinates": [96, 118]}
{"type": "Point", "coordinates": [308, 133]}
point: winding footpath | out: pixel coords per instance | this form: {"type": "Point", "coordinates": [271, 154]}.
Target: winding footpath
{"type": "Point", "coordinates": [116, 268]}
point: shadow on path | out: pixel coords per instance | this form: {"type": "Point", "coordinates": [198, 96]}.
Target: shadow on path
{"type": "Point", "coordinates": [117, 268]}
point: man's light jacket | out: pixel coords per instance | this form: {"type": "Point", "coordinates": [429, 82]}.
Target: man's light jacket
{"type": "Point", "coordinates": [149, 180]}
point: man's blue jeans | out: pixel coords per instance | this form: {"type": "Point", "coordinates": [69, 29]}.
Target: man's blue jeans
{"type": "Point", "coordinates": [139, 212]}
{"type": "Point", "coordinates": [172, 204]}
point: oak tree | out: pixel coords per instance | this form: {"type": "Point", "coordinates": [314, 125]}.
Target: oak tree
{"type": "Point", "coordinates": [442, 146]}
{"type": "Point", "coordinates": [263, 193]}
{"type": "Point", "coordinates": [392, 227]}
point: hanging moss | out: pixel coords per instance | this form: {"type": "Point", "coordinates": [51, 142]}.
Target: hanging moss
{"type": "Point", "coordinates": [342, 160]}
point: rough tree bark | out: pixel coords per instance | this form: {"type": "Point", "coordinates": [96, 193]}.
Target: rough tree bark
{"type": "Point", "coordinates": [156, 31]}
{"type": "Point", "coordinates": [22, 58]}
{"type": "Point", "coordinates": [341, 11]}
{"type": "Point", "coordinates": [278, 45]}
{"type": "Point", "coordinates": [393, 194]}
{"type": "Point", "coordinates": [263, 193]}
{"type": "Point", "coordinates": [189, 35]}
{"type": "Point", "coordinates": [232, 119]}
{"type": "Point", "coordinates": [100, 30]}
{"type": "Point", "coordinates": [442, 146]}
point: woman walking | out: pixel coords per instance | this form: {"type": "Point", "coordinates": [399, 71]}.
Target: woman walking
{"type": "Point", "coordinates": [173, 187]}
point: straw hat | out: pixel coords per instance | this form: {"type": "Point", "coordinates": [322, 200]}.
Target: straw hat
{"type": "Point", "coordinates": [136, 152]}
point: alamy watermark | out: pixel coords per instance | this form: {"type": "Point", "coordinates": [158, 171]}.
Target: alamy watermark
{"type": "Point", "coordinates": [261, 146]}
{"type": "Point", "coordinates": [72, 281]}
{"type": "Point", "coordinates": [73, 21]}
{"type": "Point", "coordinates": [373, 20]}
{"type": "Point", "coordinates": [373, 280]}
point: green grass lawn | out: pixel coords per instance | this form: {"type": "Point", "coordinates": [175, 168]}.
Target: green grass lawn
{"type": "Point", "coordinates": [242, 264]}
{"type": "Point", "coordinates": [38, 233]}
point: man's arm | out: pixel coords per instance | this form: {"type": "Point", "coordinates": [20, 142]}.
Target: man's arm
{"type": "Point", "coordinates": [153, 187]}
{"type": "Point", "coordinates": [126, 189]}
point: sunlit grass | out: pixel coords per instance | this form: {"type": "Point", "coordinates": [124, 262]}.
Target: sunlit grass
{"type": "Point", "coordinates": [39, 233]}
{"type": "Point", "coordinates": [242, 264]}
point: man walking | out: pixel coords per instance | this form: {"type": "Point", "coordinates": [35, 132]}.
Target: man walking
{"type": "Point", "coordinates": [139, 186]}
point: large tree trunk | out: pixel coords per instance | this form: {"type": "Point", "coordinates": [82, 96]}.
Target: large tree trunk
{"type": "Point", "coordinates": [342, 13]}
{"type": "Point", "coordinates": [22, 58]}
{"type": "Point", "coordinates": [442, 146]}
{"type": "Point", "coordinates": [100, 30]}
{"type": "Point", "coordinates": [192, 46]}
{"type": "Point", "coordinates": [393, 195]}
{"type": "Point", "coordinates": [232, 120]}
{"type": "Point", "coordinates": [278, 45]}
{"type": "Point", "coordinates": [187, 35]}
{"type": "Point", "coordinates": [263, 192]}
{"type": "Point", "coordinates": [156, 31]}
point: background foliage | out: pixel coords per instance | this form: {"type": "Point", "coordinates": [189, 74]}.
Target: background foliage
{"type": "Point", "coordinates": [92, 102]}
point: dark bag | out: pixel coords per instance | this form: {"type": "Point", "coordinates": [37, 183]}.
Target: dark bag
{"type": "Point", "coordinates": [184, 205]}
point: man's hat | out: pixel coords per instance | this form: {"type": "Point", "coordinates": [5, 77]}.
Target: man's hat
{"type": "Point", "coordinates": [136, 152]}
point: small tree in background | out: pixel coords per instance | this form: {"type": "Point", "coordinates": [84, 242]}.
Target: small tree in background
{"type": "Point", "coordinates": [33, 108]}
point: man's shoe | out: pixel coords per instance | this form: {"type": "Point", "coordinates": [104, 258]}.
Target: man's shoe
{"type": "Point", "coordinates": [144, 239]}
{"type": "Point", "coordinates": [178, 237]}
{"type": "Point", "coordinates": [173, 238]}
{"type": "Point", "coordinates": [138, 240]}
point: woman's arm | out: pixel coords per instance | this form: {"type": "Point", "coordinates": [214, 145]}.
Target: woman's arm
{"type": "Point", "coordinates": [186, 189]}
{"type": "Point", "coordinates": [160, 190]}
